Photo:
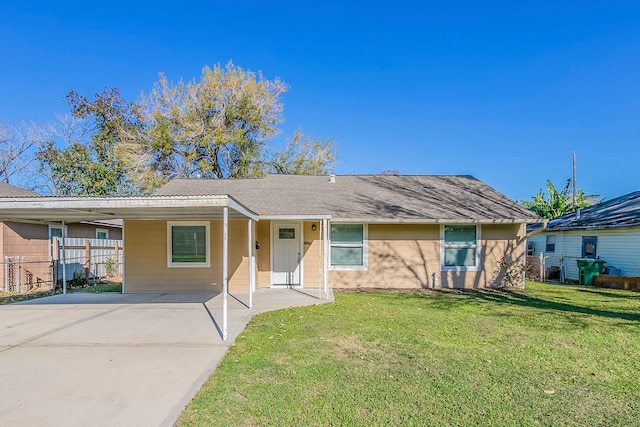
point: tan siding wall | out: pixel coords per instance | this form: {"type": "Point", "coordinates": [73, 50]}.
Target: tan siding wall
{"type": "Point", "coordinates": [408, 256]}
{"type": "Point", "coordinates": [145, 252]}
{"type": "Point", "coordinates": [400, 256]}
{"type": "Point", "coordinates": [312, 256]}
{"type": "Point", "coordinates": [498, 241]}
{"type": "Point", "coordinates": [238, 259]}
{"type": "Point", "coordinates": [263, 255]}
{"type": "Point", "coordinates": [146, 268]}
{"type": "Point", "coordinates": [29, 240]}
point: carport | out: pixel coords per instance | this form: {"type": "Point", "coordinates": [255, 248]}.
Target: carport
{"type": "Point", "coordinates": [47, 210]}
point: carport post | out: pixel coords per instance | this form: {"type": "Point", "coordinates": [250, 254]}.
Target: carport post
{"type": "Point", "coordinates": [64, 264]}
{"type": "Point", "coordinates": [325, 260]}
{"type": "Point", "coordinates": [250, 248]}
{"type": "Point", "coordinates": [225, 268]}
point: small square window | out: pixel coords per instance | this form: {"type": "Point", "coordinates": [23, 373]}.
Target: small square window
{"type": "Point", "coordinates": [188, 244]}
{"type": "Point", "coordinates": [551, 243]}
{"type": "Point", "coordinates": [102, 234]}
{"type": "Point", "coordinates": [55, 232]}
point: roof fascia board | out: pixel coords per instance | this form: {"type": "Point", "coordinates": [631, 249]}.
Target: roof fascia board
{"type": "Point", "coordinates": [593, 227]}
{"type": "Point", "coordinates": [240, 208]}
{"type": "Point", "coordinates": [294, 217]}
{"type": "Point", "coordinates": [435, 221]}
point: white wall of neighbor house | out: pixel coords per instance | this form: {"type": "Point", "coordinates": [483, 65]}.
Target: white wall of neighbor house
{"type": "Point", "coordinates": [619, 247]}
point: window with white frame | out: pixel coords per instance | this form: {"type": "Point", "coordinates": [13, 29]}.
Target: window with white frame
{"type": "Point", "coordinates": [102, 234]}
{"type": "Point", "coordinates": [55, 232]}
{"type": "Point", "coordinates": [348, 246]}
{"type": "Point", "coordinates": [188, 244]}
{"type": "Point", "coordinates": [459, 245]}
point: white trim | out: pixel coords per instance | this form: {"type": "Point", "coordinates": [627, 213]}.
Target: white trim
{"type": "Point", "coordinates": [102, 230]}
{"type": "Point", "coordinates": [365, 248]}
{"type": "Point", "coordinates": [294, 217]}
{"type": "Point", "coordinates": [325, 257]}
{"type": "Point", "coordinates": [300, 237]}
{"type": "Point", "coordinates": [205, 264]}
{"type": "Point", "coordinates": [478, 266]}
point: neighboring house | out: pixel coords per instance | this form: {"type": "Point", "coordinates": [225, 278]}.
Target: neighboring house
{"type": "Point", "coordinates": [28, 240]}
{"type": "Point", "coordinates": [609, 231]}
{"type": "Point", "coordinates": [352, 231]}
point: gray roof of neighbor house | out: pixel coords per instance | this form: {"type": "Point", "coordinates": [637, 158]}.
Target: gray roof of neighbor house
{"type": "Point", "coordinates": [623, 211]}
{"type": "Point", "coordinates": [370, 198]}
{"type": "Point", "coordinates": [8, 190]}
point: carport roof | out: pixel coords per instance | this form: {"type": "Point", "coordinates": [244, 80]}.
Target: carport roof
{"type": "Point", "coordinates": [76, 209]}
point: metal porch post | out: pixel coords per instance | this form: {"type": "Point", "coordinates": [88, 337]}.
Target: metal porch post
{"type": "Point", "coordinates": [225, 269]}
{"type": "Point", "coordinates": [325, 262]}
{"type": "Point", "coordinates": [250, 258]}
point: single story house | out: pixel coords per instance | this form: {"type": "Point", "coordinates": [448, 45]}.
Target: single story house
{"type": "Point", "coordinates": [609, 231]}
{"type": "Point", "coordinates": [348, 231]}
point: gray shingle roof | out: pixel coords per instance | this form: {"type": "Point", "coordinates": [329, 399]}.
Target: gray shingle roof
{"type": "Point", "coordinates": [372, 198]}
{"type": "Point", "coordinates": [8, 190]}
{"type": "Point", "coordinates": [623, 211]}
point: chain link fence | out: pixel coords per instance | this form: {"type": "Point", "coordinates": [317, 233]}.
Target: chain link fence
{"type": "Point", "coordinates": [24, 275]}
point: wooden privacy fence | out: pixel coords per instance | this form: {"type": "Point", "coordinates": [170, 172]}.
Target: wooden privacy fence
{"type": "Point", "coordinates": [88, 259]}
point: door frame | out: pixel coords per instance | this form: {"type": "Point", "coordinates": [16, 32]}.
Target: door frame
{"type": "Point", "coordinates": [274, 227]}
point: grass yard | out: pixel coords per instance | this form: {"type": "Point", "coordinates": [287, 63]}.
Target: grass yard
{"type": "Point", "coordinates": [548, 356]}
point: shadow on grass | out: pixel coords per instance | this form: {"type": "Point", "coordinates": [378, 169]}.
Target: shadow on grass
{"type": "Point", "coordinates": [450, 299]}
{"type": "Point", "coordinates": [523, 300]}
{"type": "Point", "coordinates": [609, 294]}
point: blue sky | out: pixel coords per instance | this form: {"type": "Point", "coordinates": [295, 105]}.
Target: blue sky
{"type": "Point", "coordinates": [504, 91]}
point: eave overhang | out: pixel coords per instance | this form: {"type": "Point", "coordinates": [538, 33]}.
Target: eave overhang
{"type": "Point", "coordinates": [77, 209]}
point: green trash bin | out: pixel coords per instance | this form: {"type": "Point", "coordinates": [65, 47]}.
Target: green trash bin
{"type": "Point", "coordinates": [588, 269]}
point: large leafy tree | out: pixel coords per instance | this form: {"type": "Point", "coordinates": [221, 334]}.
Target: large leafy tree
{"type": "Point", "coordinates": [94, 167]}
{"type": "Point", "coordinates": [557, 203]}
{"type": "Point", "coordinates": [303, 155]}
{"type": "Point", "coordinates": [213, 127]}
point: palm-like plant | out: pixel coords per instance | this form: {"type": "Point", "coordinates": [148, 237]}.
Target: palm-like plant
{"type": "Point", "coordinates": [557, 203]}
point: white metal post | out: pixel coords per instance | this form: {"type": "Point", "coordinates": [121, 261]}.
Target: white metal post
{"type": "Point", "coordinates": [225, 268]}
{"type": "Point", "coordinates": [121, 262]}
{"type": "Point", "coordinates": [64, 263]}
{"type": "Point", "coordinates": [325, 263]}
{"type": "Point", "coordinates": [250, 249]}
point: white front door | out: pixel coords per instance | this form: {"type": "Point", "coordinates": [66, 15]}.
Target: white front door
{"type": "Point", "coordinates": [286, 254]}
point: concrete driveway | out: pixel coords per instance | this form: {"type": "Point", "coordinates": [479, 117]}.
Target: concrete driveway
{"type": "Point", "coordinates": [111, 359]}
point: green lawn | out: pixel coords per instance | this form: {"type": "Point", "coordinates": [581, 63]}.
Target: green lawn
{"type": "Point", "coordinates": [547, 356]}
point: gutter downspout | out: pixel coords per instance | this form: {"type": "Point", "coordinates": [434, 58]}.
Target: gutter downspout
{"type": "Point", "coordinates": [545, 223]}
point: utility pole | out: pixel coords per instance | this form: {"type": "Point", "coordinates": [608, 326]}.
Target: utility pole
{"type": "Point", "coordinates": [573, 180]}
